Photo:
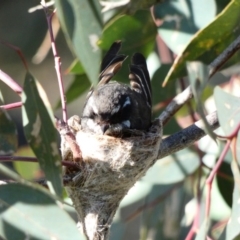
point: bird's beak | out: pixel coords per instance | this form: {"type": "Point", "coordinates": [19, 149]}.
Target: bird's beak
{"type": "Point", "coordinates": [104, 127]}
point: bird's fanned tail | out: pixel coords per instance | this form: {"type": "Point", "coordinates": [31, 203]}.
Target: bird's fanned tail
{"type": "Point", "coordinates": [139, 77]}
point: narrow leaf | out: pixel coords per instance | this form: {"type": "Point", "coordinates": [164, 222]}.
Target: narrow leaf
{"type": "Point", "coordinates": [40, 133]}
{"type": "Point", "coordinates": [8, 134]}
{"type": "Point", "coordinates": [202, 233]}
{"type": "Point", "coordinates": [27, 213]}
{"type": "Point", "coordinates": [137, 33]}
{"type": "Point", "coordinates": [182, 19]}
{"type": "Point", "coordinates": [206, 44]}
{"type": "Point", "coordinates": [81, 22]}
{"type": "Point", "coordinates": [75, 68]}
{"type": "Point", "coordinates": [79, 85]}
{"type": "Point", "coordinates": [173, 168]}
{"type": "Point", "coordinates": [228, 110]}
{"type": "Point", "coordinates": [198, 76]}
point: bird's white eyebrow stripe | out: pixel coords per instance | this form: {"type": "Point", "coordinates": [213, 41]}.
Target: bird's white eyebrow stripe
{"type": "Point", "coordinates": [126, 123]}
{"type": "Point", "coordinates": [127, 102]}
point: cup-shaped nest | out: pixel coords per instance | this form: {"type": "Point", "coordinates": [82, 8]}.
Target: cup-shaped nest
{"type": "Point", "coordinates": [111, 166]}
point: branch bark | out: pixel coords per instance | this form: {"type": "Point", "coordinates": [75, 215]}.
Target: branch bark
{"type": "Point", "coordinates": [187, 136]}
{"type": "Point", "coordinates": [175, 105]}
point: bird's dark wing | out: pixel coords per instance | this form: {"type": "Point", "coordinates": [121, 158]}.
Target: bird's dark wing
{"type": "Point", "coordinates": [111, 64]}
{"type": "Point", "coordinates": [139, 77]}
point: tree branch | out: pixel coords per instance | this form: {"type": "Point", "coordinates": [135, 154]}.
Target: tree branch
{"type": "Point", "coordinates": [187, 94]}
{"type": "Point", "coordinates": [175, 105]}
{"type": "Point", "coordinates": [218, 62]}
{"type": "Point", "coordinates": [187, 136]}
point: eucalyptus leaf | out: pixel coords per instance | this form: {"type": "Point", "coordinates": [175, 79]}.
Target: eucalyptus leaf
{"type": "Point", "coordinates": [75, 68]}
{"type": "Point", "coordinates": [202, 233]}
{"type": "Point", "coordinates": [81, 22]}
{"type": "Point", "coordinates": [228, 110]}
{"type": "Point", "coordinates": [27, 213]}
{"type": "Point", "coordinates": [159, 93]}
{"type": "Point", "coordinates": [198, 76]}
{"type": "Point", "coordinates": [41, 133]}
{"type": "Point", "coordinates": [226, 183]}
{"type": "Point", "coordinates": [79, 85]}
{"type": "Point", "coordinates": [182, 19]}
{"type": "Point", "coordinates": [136, 32]}
{"type": "Point", "coordinates": [135, 5]}
{"type": "Point", "coordinates": [209, 42]}
{"type": "Point", "coordinates": [28, 170]}
{"type": "Point", "coordinates": [8, 134]}
{"type": "Point", "coordinates": [173, 168]}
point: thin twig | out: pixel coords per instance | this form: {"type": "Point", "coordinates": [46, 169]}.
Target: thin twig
{"type": "Point", "coordinates": [69, 137]}
{"type": "Point", "coordinates": [175, 105]}
{"type": "Point", "coordinates": [66, 180]}
{"type": "Point", "coordinates": [230, 136]}
{"type": "Point", "coordinates": [224, 56]}
{"type": "Point", "coordinates": [40, 7]}
{"type": "Point", "coordinates": [212, 175]}
{"type": "Point", "coordinates": [45, 46]}
{"type": "Point", "coordinates": [17, 158]}
{"type": "Point", "coordinates": [11, 106]}
{"type": "Point", "coordinates": [35, 160]}
{"type": "Point", "coordinates": [57, 61]}
{"type": "Point", "coordinates": [187, 94]}
{"type": "Point", "coordinates": [18, 51]}
{"type": "Point", "coordinates": [188, 103]}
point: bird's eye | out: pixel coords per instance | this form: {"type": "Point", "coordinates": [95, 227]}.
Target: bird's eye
{"type": "Point", "coordinates": [93, 115]}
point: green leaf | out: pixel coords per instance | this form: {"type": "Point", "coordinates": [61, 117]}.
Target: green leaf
{"type": "Point", "coordinates": [118, 230]}
{"type": "Point", "coordinates": [173, 168]}
{"type": "Point", "coordinates": [81, 22]}
{"type": "Point", "coordinates": [8, 134]}
{"type": "Point", "coordinates": [135, 5]}
{"type": "Point", "coordinates": [198, 76]}
{"type": "Point", "coordinates": [79, 85]}
{"type": "Point", "coordinates": [11, 174]}
{"type": "Point", "coordinates": [182, 19]}
{"type": "Point", "coordinates": [27, 213]}
{"type": "Point", "coordinates": [137, 33]}
{"type": "Point", "coordinates": [202, 233]}
{"type": "Point", "coordinates": [228, 107]}
{"type": "Point", "coordinates": [160, 211]}
{"type": "Point", "coordinates": [209, 42]}
{"type": "Point", "coordinates": [41, 133]}
{"type": "Point", "coordinates": [28, 170]}
{"type": "Point", "coordinates": [225, 183]}
{"type": "Point", "coordinates": [159, 93]}
{"type": "Point", "coordinates": [75, 68]}
{"type": "Point", "coordinates": [139, 191]}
